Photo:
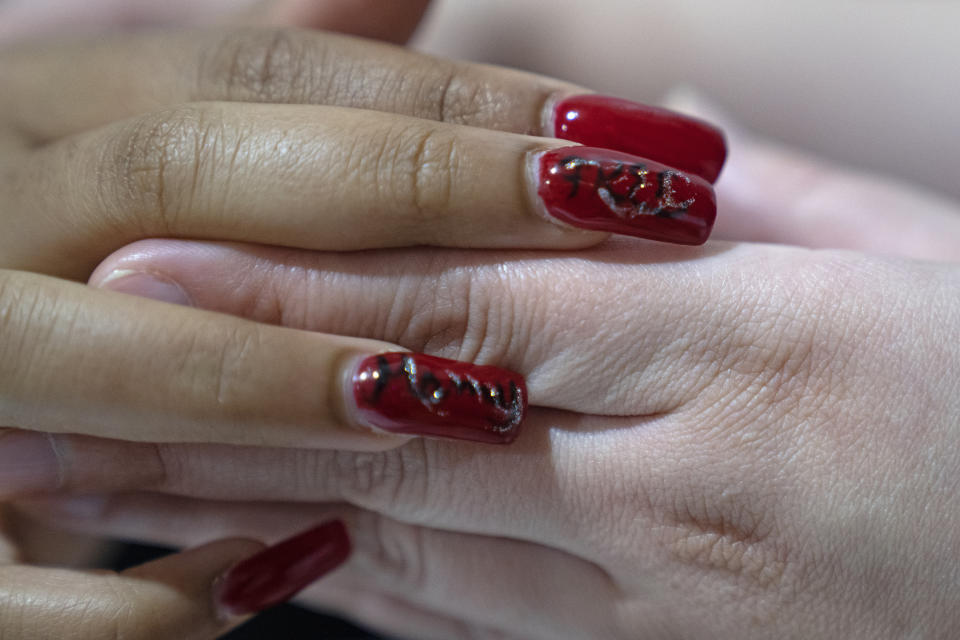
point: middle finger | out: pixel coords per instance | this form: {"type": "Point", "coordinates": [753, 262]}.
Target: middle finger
{"type": "Point", "coordinates": [337, 179]}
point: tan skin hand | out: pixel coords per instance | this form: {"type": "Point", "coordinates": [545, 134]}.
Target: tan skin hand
{"type": "Point", "coordinates": [738, 441]}
{"type": "Point", "coordinates": [172, 597]}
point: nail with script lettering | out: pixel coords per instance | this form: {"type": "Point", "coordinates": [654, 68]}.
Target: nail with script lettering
{"type": "Point", "coordinates": [668, 137]}
{"type": "Point", "coordinates": [416, 394]}
{"type": "Point", "coordinates": [278, 573]}
{"type": "Point", "coordinates": [607, 190]}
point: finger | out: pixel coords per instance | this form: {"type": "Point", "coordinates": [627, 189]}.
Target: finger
{"type": "Point", "coordinates": [436, 483]}
{"type": "Point", "coordinates": [124, 77]}
{"type": "Point", "coordinates": [544, 314]}
{"type": "Point", "coordinates": [512, 585]}
{"type": "Point", "coordinates": [770, 193]}
{"type": "Point", "coordinates": [91, 362]}
{"type": "Point", "coordinates": [169, 598]}
{"type": "Point", "coordinates": [266, 521]}
{"type": "Point", "coordinates": [343, 179]}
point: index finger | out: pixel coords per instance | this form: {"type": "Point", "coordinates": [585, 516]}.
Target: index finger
{"type": "Point", "coordinates": [91, 84]}
{"type": "Point", "coordinates": [78, 360]}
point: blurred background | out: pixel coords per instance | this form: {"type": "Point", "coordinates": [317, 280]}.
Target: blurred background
{"type": "Point", "coordinates": [873, 84]}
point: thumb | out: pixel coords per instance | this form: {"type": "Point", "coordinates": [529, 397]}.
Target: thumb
{"type": "Point", "coordinates": [770, 193]}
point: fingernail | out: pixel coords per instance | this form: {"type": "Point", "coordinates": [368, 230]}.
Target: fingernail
{"type": "Point", "coordinates": [416, 394]}
{"type": "Point", "coordinates": [611, 191]}
{"type": "Point", "coordinates": [278, 573]}
{"type": "Point", "coordinates": [146, 285]}
{"type": "Point", "coordinates": [672, 139]}
{"type": "Point", "coordinates": [28, 464]}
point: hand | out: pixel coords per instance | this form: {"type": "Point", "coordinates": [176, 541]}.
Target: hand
{"type": "Point", "coordinates": [341, 137]}
{"type": "Point", "coordinates": [743, 441]}
{"type": "Point", "coordinates": [85, 174]}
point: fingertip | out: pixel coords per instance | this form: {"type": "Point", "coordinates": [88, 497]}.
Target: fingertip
{"type": "Point", "coordinates": [139, 256]}
{"type": "Point", "coordinates": [146, 285]}
{"type": "Point", "coordinates": [275, 574]}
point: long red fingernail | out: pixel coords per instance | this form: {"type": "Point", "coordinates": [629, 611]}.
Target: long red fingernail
{"type": "Point", "coordinates": [677, 141]}
{"type": "Point", "coordinates": [278, 573]}
{"type": "Point", "coordinates": [412, 393]}
{"type": "Point", "coordinates": [611, 191]}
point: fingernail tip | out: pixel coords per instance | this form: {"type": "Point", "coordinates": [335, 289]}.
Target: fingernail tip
{"type": "Point", "coordinates": [676, 139]}
{"type": "Point", "coordinates": [116, 274]}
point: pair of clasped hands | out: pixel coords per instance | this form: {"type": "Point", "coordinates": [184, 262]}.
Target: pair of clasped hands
{"type": "Point", "coordinates": [735, 440]}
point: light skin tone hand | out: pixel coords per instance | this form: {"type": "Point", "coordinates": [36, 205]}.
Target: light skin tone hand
{"type": "Point", "coordinates": [746, 441]}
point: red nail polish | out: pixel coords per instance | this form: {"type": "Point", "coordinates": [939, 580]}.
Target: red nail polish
{"type": "Point", "coordinates": [678, 141]}
{"type": "Point", "coordinates": [412, 393]}
{"type": "Point", "coordinates": [278, 573]}
{"type": "Point", "coordinates": [611, 191]}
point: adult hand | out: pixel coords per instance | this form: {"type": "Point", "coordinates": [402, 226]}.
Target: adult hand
{"type": "Point", "coordinates": [213, 135]}
{"type": "Point", "coordinates": [753, 441]}
{"type": "Point", "coordinates": [299, 139]}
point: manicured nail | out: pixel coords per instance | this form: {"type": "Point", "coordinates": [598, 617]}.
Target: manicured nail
{"type": "Point", "coordinates": [412, 393]}
{"type": "Point", "coordinates": [28, 463]}
{"type": "Point", "coordinates": [278, 573]}
{"type": "Point", "coordinates": [611, 191]}
{"type": "Point", "coordinates": [672, 139]}
{"type": "Point", "coordinates": [146, 285]}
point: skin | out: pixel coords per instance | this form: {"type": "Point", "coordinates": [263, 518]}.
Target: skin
{"type": "Point", "coordinates": [171, 597]}
{"type": "Point", "coordinates": [737, 441]}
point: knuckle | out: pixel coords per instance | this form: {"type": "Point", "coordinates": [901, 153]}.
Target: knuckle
{"type": "Point", "coordinates": [468, 313]}
{"type": "Point", "coordinates": [387, 480]}
{"type": "Point", "coordinates": [420, 164]}
{"type": "Point", "coordinates": [456, 98]}
{"type": "Point", "coordinates": [28, 310]}
{"type": "Point", "coordinates": [462, 96]}
{"type": "Point", "coordinates": [156, 164]}
{"type": "Point", "coordinates": [236, 352]}
{"type": "Point", "coordinates": [395, 552]}
{"type": "Point", "coordinates": [733, 534]}
{"type": "Point", "coordinates": [781, 344]}
{"type": "Point", "coordinates": [264, 65]}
